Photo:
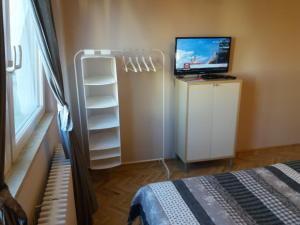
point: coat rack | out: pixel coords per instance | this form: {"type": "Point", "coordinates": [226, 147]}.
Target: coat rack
{"type": "Point", "coordinates": [133, 61]}
{"type": "Point", "coordinates": [140, 63]}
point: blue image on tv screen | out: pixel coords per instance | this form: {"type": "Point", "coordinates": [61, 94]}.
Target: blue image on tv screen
{"type": "Point", "coordinates": [202, 53]}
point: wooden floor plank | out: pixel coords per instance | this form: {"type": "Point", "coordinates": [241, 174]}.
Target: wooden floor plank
{"type": "Point", "coordinates": [115, 187]}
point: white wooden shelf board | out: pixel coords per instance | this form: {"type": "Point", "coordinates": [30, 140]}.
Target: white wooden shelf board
{"type": "Point", "coordinates": [105, 121]}
{"type": "Point", "coordinates": [106, 163]}
{"type": "Point", "coordinates": [92, 56]}
{"type": "Point", "coordinates": [100, 80]}
{"type": "Point", "coordinates": [100, 102]}
{"type": "Point", "coordinates": [107, 155]}
{"type": "Point", "coordinates": [101, 141]}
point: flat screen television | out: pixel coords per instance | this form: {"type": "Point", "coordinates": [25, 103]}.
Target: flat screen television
{"type": "Point", "coordinates": [201, 55]}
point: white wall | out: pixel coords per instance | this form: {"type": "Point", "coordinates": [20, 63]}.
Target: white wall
{"type": "Point", "coordinates": [266, 53]}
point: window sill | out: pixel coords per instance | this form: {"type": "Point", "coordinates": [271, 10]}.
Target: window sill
{"type": "Point", "coordinates": [21, 166]}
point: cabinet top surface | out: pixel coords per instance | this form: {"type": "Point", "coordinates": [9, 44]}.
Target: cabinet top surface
{"type": "Point", "coordinates": [196, 80]}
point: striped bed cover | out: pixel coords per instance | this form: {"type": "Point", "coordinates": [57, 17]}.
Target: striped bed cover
{"type": "Point", "coordinates": [266, 196]}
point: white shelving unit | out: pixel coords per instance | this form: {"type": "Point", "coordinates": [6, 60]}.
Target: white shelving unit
{"type": "Point", "coordinates": [100, 88]}
{"type": "Point", "coordinates": [98, 103]}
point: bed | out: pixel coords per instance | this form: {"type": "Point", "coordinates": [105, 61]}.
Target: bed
{"type": "Point", "coordinates": [269, 195]}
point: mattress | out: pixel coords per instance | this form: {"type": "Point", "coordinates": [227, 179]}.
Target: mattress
{"type": "Point", "coordinates": [268, 196]}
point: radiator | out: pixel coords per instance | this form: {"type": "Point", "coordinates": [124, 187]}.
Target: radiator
{"type": "Point", "coordinates": [58, 207]}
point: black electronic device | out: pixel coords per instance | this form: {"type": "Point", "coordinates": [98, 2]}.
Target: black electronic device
{"type": "Point", "coordinates": [201, 55]}
{"type": "Point", "coordinates": [217, 77]}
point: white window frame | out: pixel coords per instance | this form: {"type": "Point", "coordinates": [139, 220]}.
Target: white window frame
{"type": "Point", "coordinates": [20, 139]}
{"type": "Point", "coordinates": [16, 142]}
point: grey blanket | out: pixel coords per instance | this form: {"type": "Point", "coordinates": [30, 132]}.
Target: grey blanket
{"type": "Point", "coordinates": [266, 196]}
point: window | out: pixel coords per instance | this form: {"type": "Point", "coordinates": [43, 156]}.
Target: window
{"type": "Point", "coordinates": [24, 76]}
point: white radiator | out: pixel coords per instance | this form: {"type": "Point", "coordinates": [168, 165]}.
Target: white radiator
{"type": "Point", "coordinates": [58, 207]}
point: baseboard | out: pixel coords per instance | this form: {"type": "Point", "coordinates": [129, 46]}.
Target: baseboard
{"type": "Point", "coordinates": [141, 161]}
{"type": "Point", "coordinates": [238, 151]}
{"type": "Point", "coordinates": [266, 148]}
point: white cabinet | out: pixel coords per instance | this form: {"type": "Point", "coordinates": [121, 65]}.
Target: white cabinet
{"type": "Point", "coordinates": [224, 122]}
{"type": "Point", "coordinates": [206, 121]}
{"type": "Point", "coordinates": [199, 117]}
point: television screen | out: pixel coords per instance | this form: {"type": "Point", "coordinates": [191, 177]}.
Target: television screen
{"type": "Point", "coordinates": [198, 55]}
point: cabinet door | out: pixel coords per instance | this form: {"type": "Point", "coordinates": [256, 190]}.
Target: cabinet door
{"type": "Point", "coordinates": [200, 101]}
{"type": "Point", "coordinates": [225, 109]}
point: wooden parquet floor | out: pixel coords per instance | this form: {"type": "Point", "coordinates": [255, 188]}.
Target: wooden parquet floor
{"type": "Point", "coordinates": [116, 187]}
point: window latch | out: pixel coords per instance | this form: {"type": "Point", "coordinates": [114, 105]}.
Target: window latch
{"type": "Point", "coordinates": [19, 64]}
{"type": "Point", "coordinates": [12, 64]}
